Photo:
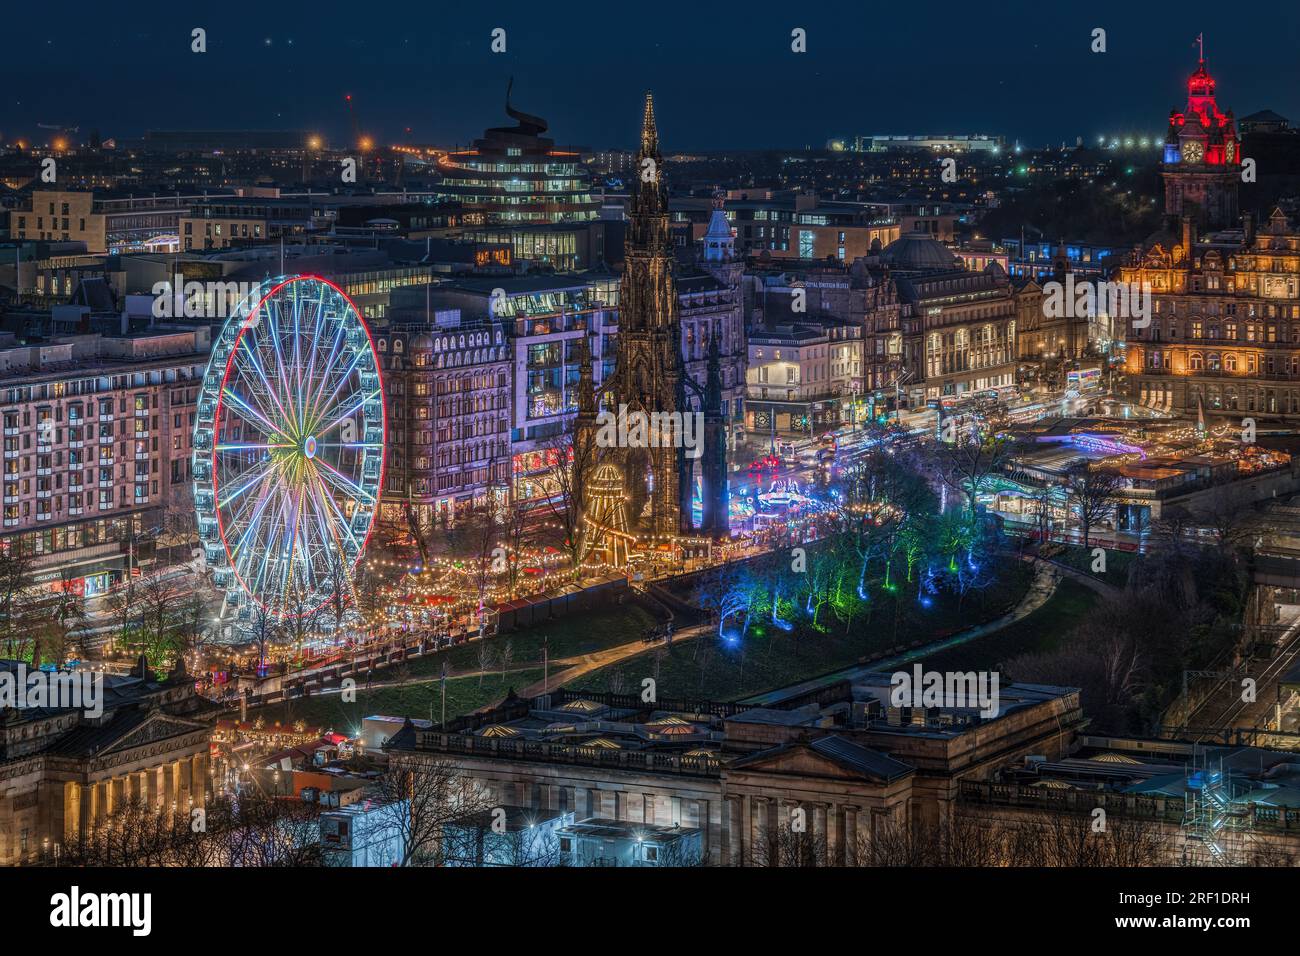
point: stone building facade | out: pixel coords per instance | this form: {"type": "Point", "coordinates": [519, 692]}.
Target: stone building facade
{"type": "Point", "coordinates": [63, 773]}
{"type": "Point", "coordinates": [1224, 335]}
{"type": "Point", "coordinates": [840, 755]}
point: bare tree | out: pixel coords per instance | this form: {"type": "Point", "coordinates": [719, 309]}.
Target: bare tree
{"type": "Point", "coordinates": [617, 681]}
{"type": "Point", "coordinates": [1173, 527]}
{"type": "Point", "coordinates": [516, 522]}
{"type": "Point", "coordinates": [1225, 516]}
{"type": "Point", "coordinates": [507, 655]}
{"type": "Point", "coordinates": [485, 657]}
{"type": "Point", "coordinates": [301, 618]}
{"type": "Point", "coordinates": [474, 842]}
{"type": "Point", "coordinates": [490, 559]}
{"type": "Point", "coordinates": [423, 800]}
{"type": "Point", "coordinates": [785, 846]}
{"type": "Point", "coordinates": [1068, 839]}
{"type": "Point", "coordinates": [958, 840]}
{"type": "Point", "coordinates": [1093, 494]}
{"type": "Point", "coordinates": [265, 631]}
{"type": "Point", "coordinates": [157, 599]}
{"type": "Point", "coordinates": [194, 625]}
{"type": "Point", "coordinates": [58, 623]}
{"type": "Point", "coordinates": [252, 829]}
{"type": "Point", "coordinates": [15, 589]}
{"type": "Point", "coordinates": [1055, 837]}
{"type": "Point", "coordinates": [964, 464]}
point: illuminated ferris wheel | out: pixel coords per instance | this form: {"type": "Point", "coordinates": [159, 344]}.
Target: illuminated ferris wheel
{"type": "Point", "coordinates": [289, 448]}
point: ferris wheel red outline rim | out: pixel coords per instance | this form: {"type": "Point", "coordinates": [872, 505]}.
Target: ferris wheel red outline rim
{"type": "Point", "coordinates": [216, 430]}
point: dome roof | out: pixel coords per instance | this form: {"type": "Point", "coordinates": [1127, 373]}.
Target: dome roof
{"type": "Point", "coordinates": [918, 251]}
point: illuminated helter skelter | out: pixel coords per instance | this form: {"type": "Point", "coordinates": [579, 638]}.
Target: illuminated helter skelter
{"type": "Point", "coordinates": [289, 449]}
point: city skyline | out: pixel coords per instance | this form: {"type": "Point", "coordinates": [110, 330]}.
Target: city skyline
{"type": "Point", "coordinates": [440, 78]}
{"type": "Point", "coordinates": [405, 464]}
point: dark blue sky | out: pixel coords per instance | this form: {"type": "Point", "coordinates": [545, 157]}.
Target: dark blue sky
{"type": "Point", "coordinates": [723, 73]}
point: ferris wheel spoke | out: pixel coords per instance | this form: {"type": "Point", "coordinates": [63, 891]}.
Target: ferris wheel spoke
{"type": "Point", "coordinates": [300, 373]}
{"type": "Point", "coordinates": [262, 381]}
{"type": "Point", "coordinates": [245, 482]}
{"type": "Point", "coordinates": [349, 444]}
{"type": "Point", "coordinates": [346, 484]}
{"type": "Point", "coordinates": [258, 583]}
{"type": "Point", "coordinates": [347, 413]}
{"type": "Point", "coordinates": [336, 341]}
{"type": "Point", "coordinates": [294, 531]}
{"type": "Point", "coordinates": [244, 504]}
{"type": "Point", "coordinates": [322, 494]}
{"type": "Point", "coordinates": [315, 351]}
{"type": "Point", "coordinates": [251, 525]}
{"type": "Point", "coordinates": [323, 411]}
{"type": "Point", "coordinates": [240, 446]}
{"type": "Point", "coordinates": [285, 395]}
{"type": "Point", "coordinates": [249, 409]}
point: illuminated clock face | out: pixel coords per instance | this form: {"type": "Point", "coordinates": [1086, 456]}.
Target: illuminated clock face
{"type": "Point", "coordinates": [1193, 151]}
{"type": "Point", "coordinates": [1230, 151]}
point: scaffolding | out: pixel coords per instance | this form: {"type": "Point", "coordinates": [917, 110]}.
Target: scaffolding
{"type": "Point", "coordinates": [1217, 827]}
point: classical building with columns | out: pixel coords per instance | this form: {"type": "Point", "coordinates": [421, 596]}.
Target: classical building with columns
{"type": "Point", "coordinates": [62, 773]}
{"type": "Point", "coordinates": [836, 757]}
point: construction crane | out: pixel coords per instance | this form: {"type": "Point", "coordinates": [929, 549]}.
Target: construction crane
{"type": "Point", "coordinates": [352, 119]}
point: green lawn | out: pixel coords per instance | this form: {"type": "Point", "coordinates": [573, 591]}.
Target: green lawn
{"type": "Point", "coordinates": [568, 636]}
{"type": "Point", "coordinates": [1081, 559]}
{"type": "Point", "coordinates": [770, 657]}
{"type": "Point", "coordinates": [464, 694]}
{"type": "Point", "coordinates": [1043, 630]}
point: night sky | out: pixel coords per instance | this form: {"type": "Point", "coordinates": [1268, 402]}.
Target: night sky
{"type": "Point", "coordinates": [723, 73]}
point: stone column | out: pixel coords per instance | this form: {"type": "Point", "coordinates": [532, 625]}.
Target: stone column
{"type": "Point", "coordinates": [85, 809]}
{"type": "Point", "coordinates": [731, 832]}
{"type": "Point", "coordinates": [748, 819]}
{"type": "Point", "coordinates": [759, 810]}
{"type": "Point", "coordinates": [834, 842]}
{"type": "Point", "coordinates": [201, 779]}
{"type": "Point", "coordinates": [70, 794]}
{"type": "Point", "coordinates": [851, 836]}
{"type": "Point", "coordinates": [709, 832]}
{"type": "Point", "coordinates": [169, 785]}
{"type": "Point", "coordinates": [102, 807]}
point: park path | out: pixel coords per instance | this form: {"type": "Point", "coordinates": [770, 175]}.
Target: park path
{"type": "Point", "coordinates": [1046, 578]}
{"type": "Point", "coordinates": [1083, 577]}
{"type": "Point", "coordinates": [586, 663]}
{"type": "Point", "coordinates": [569, 668]}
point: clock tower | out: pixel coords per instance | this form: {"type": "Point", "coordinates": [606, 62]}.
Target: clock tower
{"type": "Point", "coordinates": [1202, 159]}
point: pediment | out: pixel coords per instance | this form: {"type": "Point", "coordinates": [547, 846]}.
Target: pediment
{"type": "Point", "coordinates": [798, 761]}
{"type": "Point", "coordinates": [157, 727]}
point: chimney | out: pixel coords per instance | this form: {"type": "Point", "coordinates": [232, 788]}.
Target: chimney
{"type": "Point", "coordinates": [1189, 237]}
{"type": "Point", "coordinates": [1248, 226]}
